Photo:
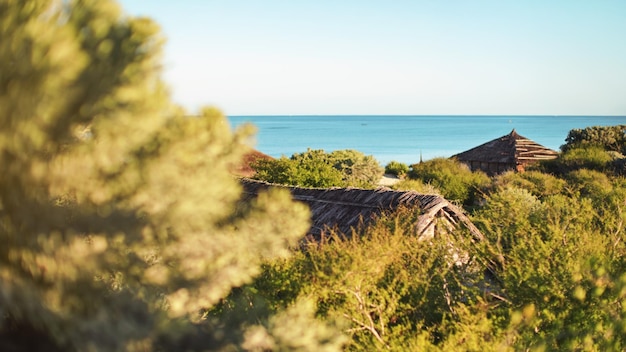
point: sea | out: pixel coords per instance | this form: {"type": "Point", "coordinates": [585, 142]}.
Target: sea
{"type": "Point", "coordinates": [407, 139]}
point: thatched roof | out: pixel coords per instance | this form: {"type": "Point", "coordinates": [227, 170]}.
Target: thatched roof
{"type": "Point", "coordinates": [510, 149]}
{"type": "Point", "coordinates": [345, 209]}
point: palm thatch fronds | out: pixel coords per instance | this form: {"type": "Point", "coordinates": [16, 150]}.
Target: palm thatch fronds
{"type": "Point", "coordinates": [345, 209]}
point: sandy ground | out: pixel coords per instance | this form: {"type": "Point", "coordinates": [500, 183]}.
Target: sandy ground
{"type": "Point", "coordinates": [388, 180]}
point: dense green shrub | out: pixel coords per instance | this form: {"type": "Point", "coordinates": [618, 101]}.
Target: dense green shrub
{"type": "Point", "coordinates": [396, 168]}
{"type": "Point", "coordinates": [594, 158]}
{"type": "Point", "coordinates": [359, 170]}
{"type": "Point", "coordinates": [508, 216]}
{"type": "Point", "coordinates": [590, 183]}
{"type": "Point", "coordinates": [555, 261]}
{"type": "Point", "coordinates": [610, 138]}
{"type": "Point", "coordinates": [587, 157]}
{"type": "Point", "coordinates": [539, 184]}
{"type": "Point", "coordinates": [316, 168]}
{"type": "Point", "coordinates": [607, 195]}
{"type": "Point", "coordinates": [299, 171]}
{"type": "Point", "coordinates": [454, 179]}
{"type": "Point", "coordinates": [387, 289]}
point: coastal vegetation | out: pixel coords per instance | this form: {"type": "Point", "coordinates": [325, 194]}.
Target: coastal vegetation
{"type": "Point", "coordinates": [316, 168]}
{"type": "Point", "coordinates": [396, 168]}
{"type": "Point", "coordinates": [122, 228]}
{"type": "Point", "coordinates": [454, 180]}
{"type": "Point", "coordinates": [610, 138]}
{"type": "Point", "coordinates": [549, 276]}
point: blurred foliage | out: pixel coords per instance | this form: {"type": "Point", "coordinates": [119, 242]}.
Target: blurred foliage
{"type": "Point", "coordinates": [453, 179]}
{"type": "Point", "coordinates": [118, 217]}
{"type": "Point", "coordinates": [316, 168]}
{"type": "Point", "coordinates": [397, 168]}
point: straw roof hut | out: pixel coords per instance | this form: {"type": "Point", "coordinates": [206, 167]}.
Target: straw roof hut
{"type": "Point", "coordinates": [510, 152]}
{"type": "Point", "coordinates": [344, 209]}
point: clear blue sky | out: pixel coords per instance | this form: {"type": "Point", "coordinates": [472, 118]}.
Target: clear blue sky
{"type": "Point", "coordinates": [559, 57]}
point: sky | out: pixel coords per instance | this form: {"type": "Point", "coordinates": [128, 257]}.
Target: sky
{"type": "Point", "coordinates": [436, 57]}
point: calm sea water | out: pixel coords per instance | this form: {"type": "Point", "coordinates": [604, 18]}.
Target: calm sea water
{"type": "Point", "coordinates": [405, 138]}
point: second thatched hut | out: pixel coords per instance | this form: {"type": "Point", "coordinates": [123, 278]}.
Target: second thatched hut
{"type": "Point", "coordinates": [509, 152]}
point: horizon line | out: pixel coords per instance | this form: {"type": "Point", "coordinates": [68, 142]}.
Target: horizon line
{"type": "Point", "coordinates": [429, 115]}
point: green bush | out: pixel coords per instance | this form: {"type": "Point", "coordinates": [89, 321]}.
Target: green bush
{"type": "Point", "coordinates": [590, 183]}
{"type": "Point", "coordinates": [299, 171]}
{"type": "Point", "coordinates": [396, 168]}
{"type": "Point", "coordinates": [610, 138]}
{"type": "Point", "coordinates": [454, 179]}
{"type": "Point", "coordinates": [587, 157]}
{"type": "Point", "coordinates": [316, 168]}
{"type": "Point", "coordinates": [593, 158]}
{"type": "Point", "coordinates": [539, 184]}
{"type": "Point", "coordinates": [607, 195]}
{"type": "Point", "coordinates": [359, 170]}
{"type": "Point", "coordinates": [559, 275]}
{"type": "Point", "coordinates": [508, 216]}
{"type": "Point", "coordinates": [386, 288]}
